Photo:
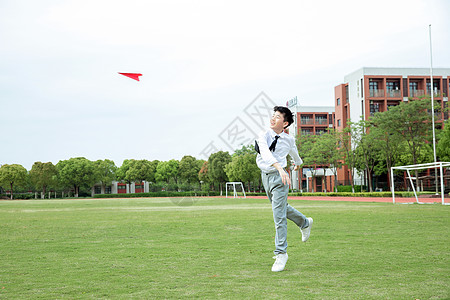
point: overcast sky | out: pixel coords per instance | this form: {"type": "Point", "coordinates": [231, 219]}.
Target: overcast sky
{"type": "Point", "coordinates": [204, 63]}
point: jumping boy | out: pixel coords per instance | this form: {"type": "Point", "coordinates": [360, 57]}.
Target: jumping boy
{"type": "Point", "coordinates": [273, 146]}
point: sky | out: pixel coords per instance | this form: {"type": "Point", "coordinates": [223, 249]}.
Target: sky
{"type": "Point", "coordinates": [207, 67]}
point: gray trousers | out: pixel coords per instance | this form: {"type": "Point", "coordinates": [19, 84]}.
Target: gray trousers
{"type": "Point", "coordinates": [277, 193]}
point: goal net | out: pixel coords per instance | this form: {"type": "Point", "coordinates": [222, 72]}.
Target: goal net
{"type": "Point", "coordinates": [235, 188]}
{"type": "Point", "coordinates": [439, 178]}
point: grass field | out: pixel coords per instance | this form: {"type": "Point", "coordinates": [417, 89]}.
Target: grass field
{"type": "Point", "coordinates": [220, 248]}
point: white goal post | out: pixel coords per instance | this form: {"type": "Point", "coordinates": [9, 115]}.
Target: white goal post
{"type": "Point", "coordinates": [235, 194]}
{"type": "Point", "coordinates": [408, 168]}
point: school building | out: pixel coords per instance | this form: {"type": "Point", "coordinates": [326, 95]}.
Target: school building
{"type": "Point", "coordinates": [370, 90]}
{"type": "Point", "coordinates": [364, 92]}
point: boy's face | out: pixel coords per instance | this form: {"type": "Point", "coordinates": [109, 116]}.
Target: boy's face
{"type": "Point", "coordinates": [277, 122]}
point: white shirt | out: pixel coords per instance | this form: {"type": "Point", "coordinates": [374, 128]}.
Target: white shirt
{"type": "Point", "coordinates": [285, 145]}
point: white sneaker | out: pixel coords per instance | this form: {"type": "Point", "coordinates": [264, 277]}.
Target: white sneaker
{"type": "Point", "coordinates": [280, 262]}
{"type": "Point", "coordinates": [306, 231]}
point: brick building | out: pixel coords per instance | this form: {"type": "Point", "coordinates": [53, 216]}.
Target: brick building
{"type": "Point", "coordinates": [370, 90]}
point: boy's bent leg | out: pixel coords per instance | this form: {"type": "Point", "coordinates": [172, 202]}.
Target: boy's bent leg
{"type": "Point", "coordinates": [296, 217]}
{"type": "Point", "coordinates": [279, 209]}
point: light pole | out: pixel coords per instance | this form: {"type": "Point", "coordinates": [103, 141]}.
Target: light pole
{"type": "Point", "coordinates": [432, 111]}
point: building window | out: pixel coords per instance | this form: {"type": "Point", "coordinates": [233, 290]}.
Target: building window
{"type": "Point", "coordinates": [97, 189]}
{"type": "Point", "coordinates": [306, 120]}
{"type": "Point", "coordinates": [392, 85]}
{"type": "Point", "coordinates": [321, 120]}
{"type": "Point", "coordinates": [339, 123]}
{"type": "Point", "coordinates": [374, 108]}
{"type": "Point", "coordinates": [446, 110]}
{"type": "Point", "coordinates": [374, 90]}
{"type": "Point", "coordinates": [414, 89]}
{"type": "Point", "coordinates": [338, 101]}
{"type": "Point", "coordinates": [306, 131]}
{"type": "Point", "coordinates": [362, 88]}
{"type": "Point", "coordinates": [393, 89]}
{"type": "Point", "coordinates": [435, 87]}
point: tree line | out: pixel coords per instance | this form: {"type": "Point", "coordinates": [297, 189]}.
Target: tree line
{"type": "Point", "coordinates": [80, 174]}
{"type": "Point", "coordinates": [399, 136]}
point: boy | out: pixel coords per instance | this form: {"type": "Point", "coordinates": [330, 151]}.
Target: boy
{"type": "Point", "coordinates": [273, 146]}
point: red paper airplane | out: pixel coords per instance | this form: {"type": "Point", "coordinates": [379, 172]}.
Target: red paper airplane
{"type": "Point", "coordinates": [134, 76]}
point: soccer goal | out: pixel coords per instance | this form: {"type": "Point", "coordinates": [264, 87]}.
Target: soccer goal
{"type": "Point", "coordinates": [233, 185]}
{"type": "Point", "coordinates": [436, 165]}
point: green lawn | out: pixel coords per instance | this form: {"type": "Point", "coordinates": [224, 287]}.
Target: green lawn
{"type": "Point", "coordinates": [220, 248]}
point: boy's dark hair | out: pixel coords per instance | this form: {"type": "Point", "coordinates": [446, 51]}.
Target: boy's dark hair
{"type": "Point", "coordinates": [288, 116]}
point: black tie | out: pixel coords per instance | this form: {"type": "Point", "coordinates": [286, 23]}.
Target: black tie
{"type": "Point", "coordinates": [274, 143]}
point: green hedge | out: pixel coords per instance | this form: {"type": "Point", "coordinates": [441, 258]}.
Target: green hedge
{"type": "Point", "coordinates": [212, 194]}
{"type": "Point", "coordinates": [348, 188]}
{"type": "Point", "coordinates": [350, 194]}
{"type": "Point", "coordinates": [159, 194]}
{"type": "Point", "coordinates": [364, 194]}
{"type": "Point", "coordinates": [22, 196]}
{"type": "Point", "coordinates": [137, 195]}
{"type": "Point", "coordinates": [255, 194]}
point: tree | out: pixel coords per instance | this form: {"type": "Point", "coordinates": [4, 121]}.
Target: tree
{"type": "Point", "coordinates": [425, 155]}
{"type": "Point", "coordinates": [328, 146]}
{"type": "Point", "coordinates": [188, 169]}
{"type": "Point", "coordinates": [391, 144]}
{"type": "Point", "coordinates": [367, 149]}
{"type": "Point", "coordinates": [77, 172]}
{"type": "Point", "coordinates": [153, 166]}
{"type": "Point", "coordinates": [133, 170]}
{"type": "Point", "coordinates": [313, 157]}
{"type": "Point", "coordinates": [216, 167]}
{"type": "Point", "coordinates": [139, 171]}
{"type": "Point", "coordinates": [11, 175]}
{"type": "Point", "coordinates": [345, 145]}
{"type": "Point", "coordinates": [249, 149]}
{"type": "Point", "coordinates": [167, 170]}
{"type": "Point", "coordinates": [121, 172]}
{"type": "Point", "coordinates": [443, 147]}
{"type": "Point", "coordinates": [43, 175]}
{"type": "Point", "coordinates": [412, 122]}
{"type": "Point", "coordinates": [106, 172]}
{"type": "Point", "coordinates": [203, 174]}
{"type": "Point", "coordinates": [243, 167]}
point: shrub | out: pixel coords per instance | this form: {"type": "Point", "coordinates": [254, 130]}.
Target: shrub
{"type": "Point", "coordinates": [159, 194]}
{"type": "Point", "coordinates": [348, 188]}
{"type": "Point", "coordinates": [256, 194]}
{"type": "Point", "coordinates": [23, 196]}
{"type": "Point", "coordinates": [363, 194]}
